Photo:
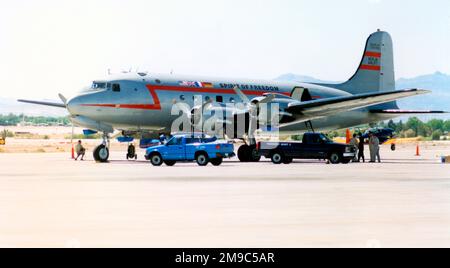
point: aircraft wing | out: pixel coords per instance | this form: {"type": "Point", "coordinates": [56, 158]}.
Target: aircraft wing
{"type": "Point", "coordinates": [54, 104]}
{"type": "Point", "coordinates": [308, 110]}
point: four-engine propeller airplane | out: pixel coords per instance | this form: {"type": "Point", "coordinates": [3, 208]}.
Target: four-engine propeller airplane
{"type": "Point", "coordinates": [141, 103]}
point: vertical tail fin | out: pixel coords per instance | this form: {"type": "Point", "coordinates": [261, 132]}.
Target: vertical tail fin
{"type": "Point", "coordinates": [376, 69]}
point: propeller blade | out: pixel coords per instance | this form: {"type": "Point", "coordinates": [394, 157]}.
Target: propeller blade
{"type": "Point", "coordinates": [64, 100]}
{"type": "Point", "coordinates": [268, 98]}
{"type": "Point", "coordinates": [241, 95]}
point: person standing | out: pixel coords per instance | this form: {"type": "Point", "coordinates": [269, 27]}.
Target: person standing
{"type": "Point", "coordinates": [361, 148]}
{"type": "Point", "coordinates": [374, 147]}
{"type": "Point", "coordinates": [377, 148]}
{"type": "Point", "coordinates": [354, 143]}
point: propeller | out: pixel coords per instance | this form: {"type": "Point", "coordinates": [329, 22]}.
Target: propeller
{"type": "Point", "coordinates": [64, 100]}
{"type": "Point", "coordinates": [194, 115]}
{"type": "Point", "coordinates": [253, 109]}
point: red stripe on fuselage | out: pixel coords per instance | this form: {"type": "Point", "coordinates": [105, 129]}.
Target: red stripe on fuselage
{"type": "Point", "coordinates": [157, 104]}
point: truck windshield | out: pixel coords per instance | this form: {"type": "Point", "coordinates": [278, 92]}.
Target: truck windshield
{"type": "Point", "coordinates": [175, 141]}
{"type": "Point", "coordinates": [324, 138]}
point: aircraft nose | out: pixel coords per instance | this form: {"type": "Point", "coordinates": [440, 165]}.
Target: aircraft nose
{"type": "Point", "coordinates": [73, 105]}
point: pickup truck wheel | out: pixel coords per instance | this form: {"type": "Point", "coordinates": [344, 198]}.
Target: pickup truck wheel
{"type": "Point", "coordinates": [202, 159]}
{"type": "Point", "coordinates": [277, 158]}
{"type": "Point", "coordinates": [156, 159]}
{"type": "Point", "coordinates": [287, 160]}
{"type": "Point", "coordinates": [335, 158]}
{"type": "Point", "coordinates": [217, 161]}
{"type": "Point", "coordinates": [346, 161]}
{"type": "Point", "coordinates": [169, 162]}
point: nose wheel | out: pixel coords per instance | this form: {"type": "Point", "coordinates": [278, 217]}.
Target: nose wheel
{"type": "Point", "coordinates": [101, 152]}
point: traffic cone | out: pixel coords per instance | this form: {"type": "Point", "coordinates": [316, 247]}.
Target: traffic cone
{"type": "Point", "coordinates": [417, 150]}
{"type": "Point", "coordinates": [73, 152]}
{"type": "Point", "coordinates": [348, 136]}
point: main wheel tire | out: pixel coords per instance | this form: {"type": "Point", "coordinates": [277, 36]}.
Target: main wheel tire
{"type": "Point", "coordinates": [217, 161]}
{"type": "Point", "coordinates": [335, 158]}
{"type": "Point", "coordinates": [277, 158]}
{"type": "Point", "coordinates": [101, 153]}
{"type": "Point", "coordinates": [244, 153]}
{"type": "Point", "coordinates": [170, 162]}
{"type": "Point", "coordinates": [202, 159]}
{"type": "Point", "coordinates": [254, 154]}
{"type": "Point", "coordinates": [156, 159]}
{"type": "Point", "coordinates": [287, 160]}
{"type": "Point", "coordinates": [393, 147]}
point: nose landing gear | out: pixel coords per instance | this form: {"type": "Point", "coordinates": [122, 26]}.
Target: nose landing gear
{"type": "Point", "coordinates": [101, 152]}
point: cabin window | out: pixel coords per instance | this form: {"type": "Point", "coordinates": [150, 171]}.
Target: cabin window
{"type": "Point", "coordinates": [207, 98]}
{"type": "Point", "coordinates": [219, 99]}
{"type": "Point", "coordinates": [232, 100]}
{"type": "Point", "coordinates": [116, 87]}
{"type": "Point", "coordinates": [182, 97]}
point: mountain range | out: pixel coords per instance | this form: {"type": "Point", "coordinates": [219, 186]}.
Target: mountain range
{"type": "Point", "coordinates": [438, 83]}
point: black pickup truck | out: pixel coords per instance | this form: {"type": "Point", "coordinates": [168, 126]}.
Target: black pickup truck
{"type": "Point", "coordinates": [313, 146]}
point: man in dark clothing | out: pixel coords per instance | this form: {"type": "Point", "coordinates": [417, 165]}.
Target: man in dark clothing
{"type": "Point", "coordinates": [361, 148]}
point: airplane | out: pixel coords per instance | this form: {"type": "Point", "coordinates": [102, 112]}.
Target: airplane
{"type": "Point", "coordinates": [142, 103]}
{"type": "Point", "coordinates": [384, 135]}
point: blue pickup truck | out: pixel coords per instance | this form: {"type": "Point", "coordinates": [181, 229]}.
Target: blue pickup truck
{"type": "Point", "coordinates": [188, 147]}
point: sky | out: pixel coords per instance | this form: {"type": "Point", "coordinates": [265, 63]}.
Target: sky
{"type": "Point", "coordinates": [47, 47]}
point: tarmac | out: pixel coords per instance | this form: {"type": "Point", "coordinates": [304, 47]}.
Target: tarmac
{"type": "Point", "coordinates": [49, 200]}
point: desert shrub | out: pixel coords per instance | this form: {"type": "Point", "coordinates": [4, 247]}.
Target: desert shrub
{"type": "Point", "coordinates": [409, 133]}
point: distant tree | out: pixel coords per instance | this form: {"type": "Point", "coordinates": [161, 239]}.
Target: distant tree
{"type": "Point", "coordinates": [413, 123]}
{"type": "Point", "coordinates": [391, 124]}
{"type": "Point", "coordinates": [446, 126]}
{"type": "Point", "coordinates": [436, 124]}
{"type": "Point", "coordinates": [436, 135]}
{"type": "Point", "coordinates": [399, 126]}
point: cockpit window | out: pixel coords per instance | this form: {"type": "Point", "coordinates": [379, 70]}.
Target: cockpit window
{"type": "Point", "coordinates": [98, 85]}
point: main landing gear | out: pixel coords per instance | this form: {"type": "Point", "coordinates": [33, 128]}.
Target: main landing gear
{"type": "Point", "coordinates": [248, 153]}
{"type": "Point", "coordinates": [101, 152]}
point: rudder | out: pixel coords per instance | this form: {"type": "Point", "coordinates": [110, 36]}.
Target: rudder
{"type": "Point", "coordinates": [376, 70]}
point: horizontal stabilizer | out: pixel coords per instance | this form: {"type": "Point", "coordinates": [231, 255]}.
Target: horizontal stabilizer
{"type": "Point", "coordinates": [309, 110]}
{"type": "Point", "coordinates": [398, 111]}
{"type": "Point", "coordinates": [53, 104]}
